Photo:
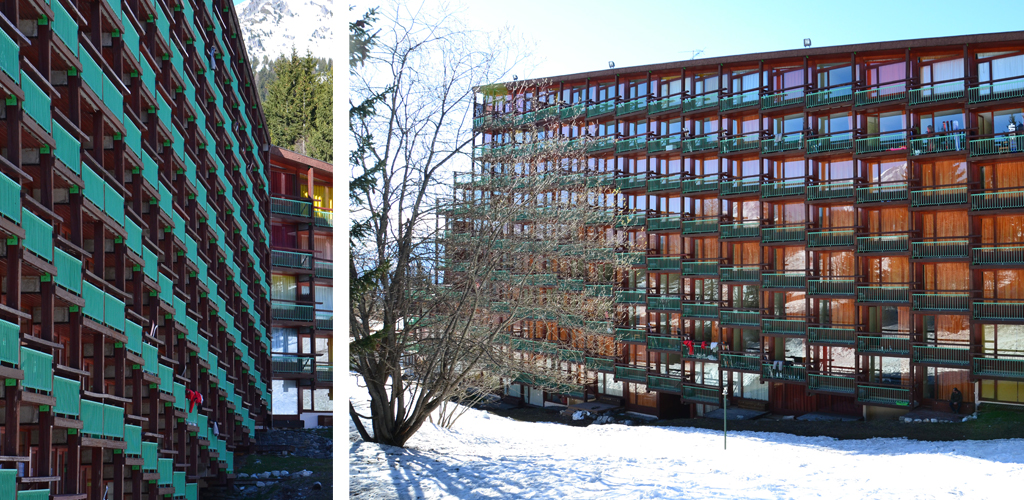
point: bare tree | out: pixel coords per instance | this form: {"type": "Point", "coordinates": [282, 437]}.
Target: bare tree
{"type": "Point", "coordinates": [447, 271]}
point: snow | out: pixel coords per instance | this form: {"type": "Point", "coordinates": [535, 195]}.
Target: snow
{"type": "Point", "coordinates": [272, 27]}
{"type": "Point", "coordinates": [486, 456]}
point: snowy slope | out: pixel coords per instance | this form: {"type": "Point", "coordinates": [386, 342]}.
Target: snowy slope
{"type": "Point", "coordinates": [487, 456]}
{"type": "Point", "coordinates": [272, 27]}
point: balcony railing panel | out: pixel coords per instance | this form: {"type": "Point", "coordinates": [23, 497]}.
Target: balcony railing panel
{"type": "Point", "coordinates": [699, 226]}
{"type": "Point", "coordinates": [737, 101]}
{"type": "Point", "coordinates": [700, 102]}
{"type": "Point", "coordinates": [937, 92]}
{"type": "Point", "coordinates": [997, 145]}
{"type": "Point", "coordinates": [663, 263]}
{"type": "Point", "coordinates": [701, 311]}
{"type": "Point", "coordinates": [696, 144]}
{"type": "Point", "coordinates": [890, 396]}
{"type": "Point", "coordinates": [292, 364]}
{"type": "Point", "coordinates": [834, 142]}
{"type": "Point", "coordinates": [739, 186]}
{"type": "Point", "coordinates": [941, 302]}
{"type": "Point", "coordinates": [294, 208]}
{"type": "Point", "coordinates": [666, 303]}
{"type": "Point", "coordinates": [999, 367]}
{"type": "Point", "coordinates": [631, 106]}
{"type": "Point", "coordinates": [628, 297]}
{"type": "Point", "coordinates": [999, 310]}
{"type": "Point", "coordinates": [293, 260]}
{"type": "Point", "coordinates": [832, 335]}
{"type": "Point", "coordinates": [942, 355]}
{"type": "Point", "coordinates": [1003, 254]}
{"type": "Point", "coordinates": [820, 239]}
{"type": "Point", "coordinates": [783, 234]}
{"type": "Point", "coordinates": [891, 346]}
{"type": "Point", "coordinates": [782, 143]}
{"type": "Point", "coordinates": [783, 188]}
{"type": "Point", "coordinates": [666, 384]}
{"type": "Point", "coordinates": [772, 326]}
{"type": "Point", "coordinates": [881, 94]}
{"type": "Point", "coordinates": [740, 318]}
{"type": "Point", "coordinates": [600, 364]}
{"type": "Point", "coordinates": [740, 230]}
{"type": "Point", "coordinates": [784, 280]}
{"type": "Point", "coordinates": [882, 193]}
{"type": "Point", "coordinates": [883, 243]}
{"type": "Point", "coordinates": [895, 141]}
{"type": "Point", "coordinates": [829, 96]}
{"type": "Point", "coordinates": [663, 223]}
{"type": "Point", "coordinates": [743, 362]}
{"type": "Point", "coordinates": [741, 273]}
{"type": "Point", "coordinates": [664, 343]}
{"type": "Point", "coordinates": [883, 293]}
{"type": "Point", "coordinates": [630, 335]}
{"type": "Point", "coordinates": [831, 383]}
{"type": "Point", "coordinates": [1010, 89]}
{"type": "Point", "coordinates": [699, 267]}
{"type": "Point", "coordinates": [631, 374]}
{"type": "Point", "coordinates": [666, 104]}
{"type": "Point", "coordinates": [737, 144]}
{"type": "Point", "coordinates": [939, 196]}
{"type": "Point", "coordinates": [942, 143]}
{"type": "Point", "coordinates": [830, 286]}
{"type": "Point", "coordinates": [783, 98]}
{"type": "Point", "coordinates": [700, 185]}
{"type": "Point", "coordinates": [830, 190]}
{"type": "Point", "coordinates": [776, 371]}
{"type": "Point", "coordinates": [292, 312]}
{"type": "Point", "coordinates": [706, 395]}
{"type": "Point", "coordinates": [997, 200]}
{"type": "Point", "coordinates": [947, 249]}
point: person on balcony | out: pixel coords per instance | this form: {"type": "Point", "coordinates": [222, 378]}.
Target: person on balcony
{"type": "Point", "coordinates": [956, 400]}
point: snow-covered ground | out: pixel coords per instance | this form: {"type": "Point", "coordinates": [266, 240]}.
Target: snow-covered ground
{"type": "Point", "coordinates": [487, 456]}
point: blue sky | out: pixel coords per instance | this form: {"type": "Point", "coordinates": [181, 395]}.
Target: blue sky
{"type": "Point", "coordinates": [577, 36]}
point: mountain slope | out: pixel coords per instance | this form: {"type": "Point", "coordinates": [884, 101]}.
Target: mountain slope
{"type": "Point", "coordinates": [272, 27]}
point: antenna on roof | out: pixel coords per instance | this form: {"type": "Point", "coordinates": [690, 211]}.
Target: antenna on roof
{"type": "Point", "coordinates": [693, 53]}
{"type": "Point", "coordinates": [807, 42]}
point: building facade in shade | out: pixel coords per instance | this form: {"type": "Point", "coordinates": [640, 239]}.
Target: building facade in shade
{"type": "Point", "coordinates": [135, 309]}
{"type": "Point", "coordinates": [301, 242]}
{"type": "Point", "coordinates": [831, 229]}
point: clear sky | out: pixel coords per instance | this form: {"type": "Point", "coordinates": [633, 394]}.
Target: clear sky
{"type": "Point", "coordinates": [577, 36]}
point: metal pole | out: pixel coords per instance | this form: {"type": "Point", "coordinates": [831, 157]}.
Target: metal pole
{"type": "Point", "coordinates": [725, 417]}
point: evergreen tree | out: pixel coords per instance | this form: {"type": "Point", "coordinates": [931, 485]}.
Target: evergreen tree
{"type": "Point", "coordinates": [321, 138]}
{"type": "Point", "coordinates": [290, 105]}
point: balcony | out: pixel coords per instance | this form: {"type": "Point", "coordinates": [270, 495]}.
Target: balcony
{"type": "Point", "coordinates": [631, 144]}
{"type": "Point", "coordinates": [324, 373]}
{"type": "Point", "coordinates": [631, 106]}
{"type": "Point", "coordinates": [696, 144]}
{"type": "Point", "coordinates": [841, 336]}
{"type": "Point", "coordinates": [884, 345]}
{"type": "Point", "coordinates": [602, 108]}
{"type": "Point", "coordinates": [663, 264]}
{"type": "Point", "coordinates": [664, 384]}
{"type": "Point", "coordinates": [783, 188]}
{"type": "Point", "coordinates": [998, 200]}
{"type": "Point", "coordinates": [959, 356]}
{"type": "Point", "coordinates": [944, 302]}
{"type": "Point", "coordinates": [837, 95]}
{"type": "Point", "coordinates": [291, 207]}
{"type": "Point", "coordinates": [700, 226]}
{"type": "Point", "coordinates": [700, 310]}
{"type": "Point", "coordinates": [1009, 89]}
{"type": "Point", "coordinates": [671, 223]}
{"type": "Point", "coordinates": [630, 374]}
{"type": "Point", "coordinates": [637, 181]}
{"type": "Point", "coordinates": [882, 395]}
{"type": "Point", "coordinates": [891, 142]}
{"type": "Point", "coordinates": [633, 258]}
{"type": "Point", "coordinates": [999, 310]}
{"type": "Point", "coordinates": [835, 142]}
{"type": "Point", "coordinates": [826, 239]}
{"type": "Point", "coordinates": [737, 144]}
{"type": "Point", "coordinates": [883, 293]}
{"type": "Point", "coordinates": [666, 104]}
{"type": "Point", "coordinates": [737, 101]}
{"type": "Point", "coordinates": [771, 326]}
{"type": "Point", "coordinates": [699, 267]}
{"type": "Point", "coordinates": [700, 102]}
{"type": "Point", "coordinates": [832, 286]}
{"type": "Point", "coordinates": [782, 143]}
{"type": "Point", "coordinates": [741, 273]}
{"type": "Point", "coordinates": [739, 187]}
{"type": "Point", "coordinates": [699, 394]}
{"type": "Point", "coordinates": [882, 193]}
{"type": "Point", "coordinates": [323, 217]}
{"type": "Point", "coordinates": [934, 197]}
{"type": "Point", "coordinates": [939, 143]}
{"type": "Point", "coordinates": [781, 99]}
{"type": "Point", "coordinates": [1004, 144]}
{"type": "Point", "coordinates": [631, 220]}
{"type": "Point", "coordinates": [740, 230]}
{"type": "Point", "coordinates": [600, 144]}
{"type": "Point", "coordinates": [601, 364]}
{"type": "Point", "coordinates": [632, 297]}
{"type": "Point", "coordinates": [323, 269]}
{"type": "Point", "coordinates": [301, 365]}
{"type": "Point", "coordinates": [783, 234]}
{"type": "Point", "coordinates": [830, 190]}
{"type": "Point", "coordinates": [880, 94]}
{"type": "Point", "coordinates": [836, 384]}
{"type": "Point", "coordinates": [630, 335]}
{"type": "Point", "coordinates": [740, 318]}
{"type": "Point", "coordinates": [290, 311]}
{"type": "Point", "coordinates": [1012, 255]}
{"type": "Point", "coordinates": [741, 362]}
{"type": "Point", "coordinates": [999, 367]}
{"type": "Point", "coordinates": [666, 183]}
{"type": "Point", "coordinates": [946, 249]}
{"type": "Point", "coordinates": [700, 185]}
{"type": "Point", "coordinates": [325, 322]}
{"type": "Point", "coordinates": [664, 144]}
{"type": "Point", "coordinates": [937, 92]}
{"type": "Point", "coordinates": [883, 243]}
{"type": "Point", "coordinates": [663, 303]}
{"type": "Point", "coordinates": [291, 260]}
{"type": "Point", "coordinates": [664, 343]}
{"type": "Point", "coordinates": [792, 373]}
{"type": "Point", "coordinates": [784, 280]}
{"type": "Point", "coordinates": [572, 112]}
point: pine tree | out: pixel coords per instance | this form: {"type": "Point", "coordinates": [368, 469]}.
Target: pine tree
{"type": "Point", "coordinates": [321, 139]}
{"type": "Point", "coordinates": [290, 105]}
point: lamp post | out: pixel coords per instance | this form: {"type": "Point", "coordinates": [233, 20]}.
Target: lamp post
{"type": "Point", "coordinates": [725, 404]}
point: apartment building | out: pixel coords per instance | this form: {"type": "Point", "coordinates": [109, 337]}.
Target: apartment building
{"type": "Point", "coordinates": [833, 229]}
{"type": "Point", "coordinates": [301, 242]}
{"type": "Point", "coordinates": [134, 309]}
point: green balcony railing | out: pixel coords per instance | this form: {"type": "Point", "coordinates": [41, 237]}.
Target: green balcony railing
{"type": "Point", "coordinates": [830, 190]}
{"type": "Point", "coordinates": [633, 258]}
{"type": "Point", "coordinates": [630, 220]}
{"type": "Point", "coordinates": [699, 226]}
{"type": "Point", "coordinates": [1010, 89]}
{"type": "Point", "coordinates": [574, 111]}
{"type": "Point", "coordinates": [10, 198]}
{"type": "Point", "coordinates": [699, 267]}
{"type": "Point", "coordinates": [630, 297]}
{"type": "Point", "coordinates": [630, 335]}
{"type": "Point", "coordinates": [663, 263]}
{"type": "Point", "coordinates": [1003, 254]}
{"type": "Point", "coordinates": [883, 244]}
{"type": "Point", "coordinates": [942, 355]}
{"type": "Point", "coordinates": [832, 335]}
{"type": "Point", "coordinates": [630, 374]}
{"type": "Point", "coordinates": [38, 368]}
{"type": "Point", "coordinates": [791, 373]}
{"type": "Point", "coordinates": [631, 106]}
{"type": "Point", "coordinates": [782, 143]}
{"type": "Point", "coordinates": [292, 364]}
{"type": "Point", "coordinates": [632, 182]}
{"type": "Point", "coordinates": [939, 196]}
{"type": "Point", "coordinates": [700, 102]}
{"type": "Point", "coordinates": [829, 96]}
{"type": "Point", "coordinates": [294, 208]}
{"type": "Point", "coordinates": [9, 54]}
{"type": "Point", "coordinates": [150, 452]}
{"type": "Point", "coordinates": [37, 102]}
{"type": "Point", "coordinates": [701, 311]}
{"type": "Point", "coordinates": [600, 364]}
{"type": "Point", "coordinates": [740, 230]}
{"type": "Point", "coordinates": [783, 234]}
{"type": "Point", "coordinates": [998, 367]}
{"type": "Point", "coordinates": [664, 144]}
{"type": "Point", "coordinates": [831, 383]}
{"type": "Point", "coordinates": [878, 395]}
{"type": "Point", "coordinates": [67, 393]}
{"type": "Point", "coordinates": [666, 183]}
{"type": "Point", "coordinates": [707, 395]}
{"type": "Point", "coordinates": [293, 260]}
{"type": "Point", "coordinates": [997, 145]}
{"type": "Point", "coordinates": [941, 301]}
{"type": "Point", "coordinates": [783, 98]}
{"type": "Point", "coordinates": [663, 223]}
{"type": "Point", "coordinates": [113, 421]}
{"type": "Point", "coordinates": [782, 188]}
{"type": "Point", "coordinates": [883, 293]}
{"type": "Point", "coordinates": [737, 101]}
{"type": "Point", "coordinates": [953, 141]}
{"type": "Point", "coordinates": [741, 143]}
{"type": "Point", "coordinates": [880, 94]}
{"type": "Point", "coordinates": [834, 142]}
{"type": "Point", "coordinates": [820, 239]}
{"type": "Point", "coordinates": [631, 144]}
{"type": "Point", "coordinates": [92, 417]}
{"type": "Point", "coordinates": [665, 384]}
{"type": "Point", "coordinates": [322, 217]}
{"type": "Point", "coordinates": [893, 141]}
{"type": "Point", "coordinates": [10, 343]}
{"type": "Point", "coordinates": [69, 271]}
{"type": "Point", "coordinates": [784, 280]}
{"type": "Point", "coordinates": [292, 312]}
{"type": "Point", "coordinates": [323, 269]}
{"type": "Point", "coordinates": [997, 200]}
{"type": "Point", "coordinates": [696, 144]}
{"type": "Point", "coordinates": [770, 326]}
{"type": "Point", "coordinates": [601, 108]}
{"type": "Point", "coordinates": [938, 92]}
{"type": "Point", "coordinates": [38, 235]}
{"type": "Point", "coordinates": [891, 346]}
{"type": "Point", "coordinates": [663, 303]}
{"type": "Point", "coordinates": [882, 193]}
{"type": "Point", "coordinates": [740, 318]}
{"type": "Point", "coordinates": [601, 144]}
{"type": "Point", "coordinates": [831, 286]}
{"type": "Point", "coordinates": [664, 343]}
{"type": "Point", "coordinates": [741, 273]}
{"type": "Point", "coordinates": [946, 249]}
{"type": "Point", "coordinates": [997, 310]}
{"type": "Point", "coordinates": [739, 186]}
{"type": "Point", "coordinates": [700, 185]}
{"type": "Point", "coordinates": [667, 104]}
{"type": "Point", "coordinates": [743, 362]}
